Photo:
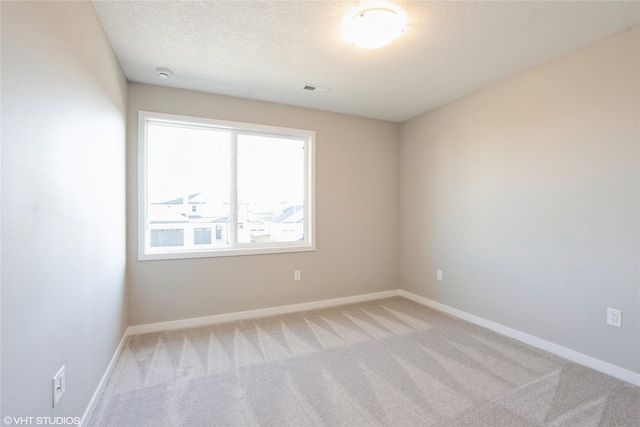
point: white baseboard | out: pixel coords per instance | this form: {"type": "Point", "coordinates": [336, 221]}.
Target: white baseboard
{"type": "Point", "coordinates": [88, 413]}
{"type": "Point", "coordinates": [251, 314]}
{"type": "Point", "coordinates": [572, 355]}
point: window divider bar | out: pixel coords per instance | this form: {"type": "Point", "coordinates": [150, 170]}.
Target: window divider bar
{"type": "Point", "coordinates": [233, 207]}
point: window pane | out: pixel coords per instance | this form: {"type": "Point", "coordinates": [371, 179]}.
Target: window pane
{"type": "Point", "coordinates": [271, 181]}
{"type": "Point", "coordinates": [188, 184]}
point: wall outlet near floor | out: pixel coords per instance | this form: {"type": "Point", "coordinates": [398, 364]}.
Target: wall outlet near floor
{"type": "Point", "coordinates": [439, 275]}
{"type": "Point", "coordinates": [614, 317]}
{"type": "Point", "coordinates": [59, 385]}
{"type": "Point", "coordinates": [296, 276]}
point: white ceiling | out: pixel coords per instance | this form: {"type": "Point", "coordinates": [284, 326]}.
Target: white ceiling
{"type": "Point", "coordinates": [268, 50]}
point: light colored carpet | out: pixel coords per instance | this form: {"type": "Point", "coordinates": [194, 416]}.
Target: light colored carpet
{"type": "Point", "coordinates": [389, 362]}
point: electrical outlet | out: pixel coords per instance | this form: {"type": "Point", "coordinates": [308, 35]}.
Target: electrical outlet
{"type": "Point", "coordinates": [59, 385]}
{"type": "Point", "coordinates": [614, 317]}
{"type": "Point", "coordinates": [439, 275]}
{"type": "Point", "coordinates": [296, 276]}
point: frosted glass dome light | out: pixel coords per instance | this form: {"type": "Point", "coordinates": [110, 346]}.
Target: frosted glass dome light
{"type": "Point", "coordinates": [374, 28]}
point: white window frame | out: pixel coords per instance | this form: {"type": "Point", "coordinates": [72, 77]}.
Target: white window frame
{"type": "Point", "coordinates": [145, 252]}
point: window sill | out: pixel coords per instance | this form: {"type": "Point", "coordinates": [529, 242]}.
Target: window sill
{"type": "Point", "coordinates": [224, 252]}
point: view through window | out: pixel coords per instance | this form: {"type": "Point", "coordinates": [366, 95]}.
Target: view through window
{"type": "Point", "coordinates": [213, 188]}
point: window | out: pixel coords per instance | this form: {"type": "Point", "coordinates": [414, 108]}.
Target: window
{"type": "Point", "coordinates": [216, 188]}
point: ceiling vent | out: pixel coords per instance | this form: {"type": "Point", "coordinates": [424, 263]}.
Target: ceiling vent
{"type": "Point", "coordinates": [314, 88]}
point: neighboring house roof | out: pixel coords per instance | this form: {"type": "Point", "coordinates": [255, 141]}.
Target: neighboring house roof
{"type": "Point", "coordinates": [165, 214]}
{"type": "Point", "coordinates": [179, 200]}
{"type": "Point", "coordinates": [199, 198]}
{"type": "Point", "coordinates": [290, 214]}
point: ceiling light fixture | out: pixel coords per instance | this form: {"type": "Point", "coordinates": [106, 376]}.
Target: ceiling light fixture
{"type": "Point", "coordinates": [163, 73]}
{"type": "Point", "coordinates": [374, 28]}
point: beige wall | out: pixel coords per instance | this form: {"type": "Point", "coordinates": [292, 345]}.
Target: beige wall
{"type": "Point", "coordinates": [356, 216]}
{"type": "Point", "coordinates": [526, 195]}
{"type": "Point", "coordinates": [63, 205]}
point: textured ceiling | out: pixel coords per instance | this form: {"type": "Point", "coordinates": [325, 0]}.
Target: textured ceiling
{"type": "Point", "coordinates": [268, 50]}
